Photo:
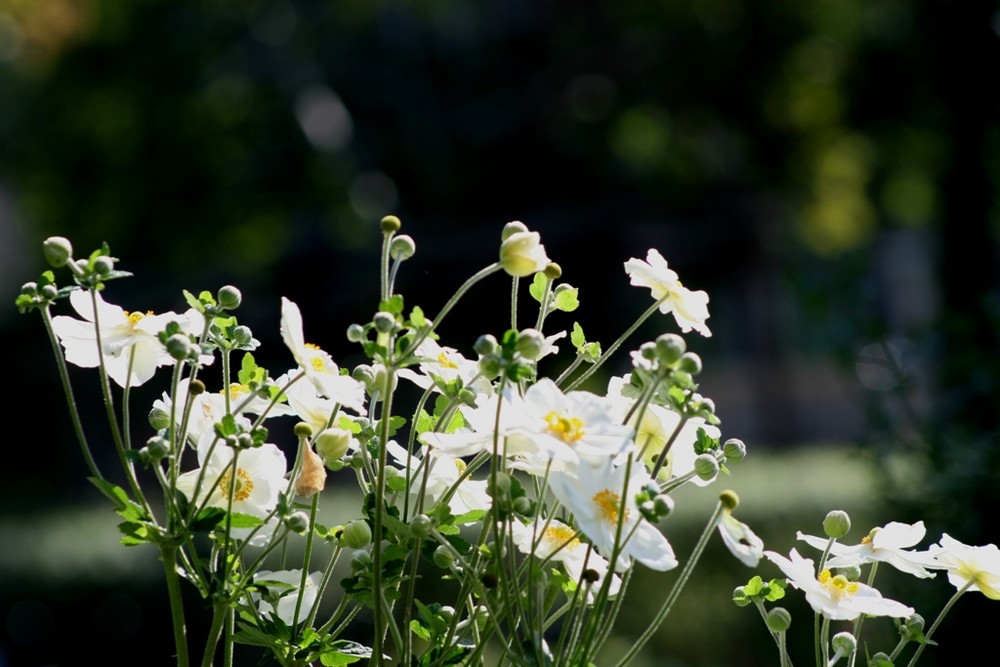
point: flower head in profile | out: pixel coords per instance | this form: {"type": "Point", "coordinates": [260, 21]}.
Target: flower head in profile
{"type": "Point", "coordinates": [129, 340]}
{"type": "Point", "coordinates": [522, 254]}
{"type": "Point", "coordinates": [975, 567]}
{"type": "Point", "coordinates": [834, 595]}
{"type": "Point", "coordinates": [740, 540]}
{"type": "Point", "coordinates": [317, 364]}
{"type": "Point", "coordinates": [601, 497]}
{"type": "Point", "coordinates": [890, 544]}
{"type": "Point", "coordinates": [282, 590]}
{"type": "Point", "coordinates": [690, 308]}
{"type": "Point", "coordinates": [557, 541]}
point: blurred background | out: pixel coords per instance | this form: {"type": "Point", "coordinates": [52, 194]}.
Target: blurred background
{"type": "Point", "coordinates": [825, 170]}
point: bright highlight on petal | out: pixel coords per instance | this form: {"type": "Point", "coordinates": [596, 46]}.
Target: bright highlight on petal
{"type": "Point", "coordinates": [690, 308]}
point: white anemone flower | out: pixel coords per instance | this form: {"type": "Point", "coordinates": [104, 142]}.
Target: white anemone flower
{"type": "Point", "coordinates": [283, 593]}
{"type": "Point", "coordinates": [740, 540]}
{"type": "Point", "coordinates": [129, 343]}
{"type": "Point", "coordinates": [835, 596]}
{"type": "Point", "coordinates": [975, 567]}
{"type": "Point", "coordinates": [886, 544]}
{"type": "Point", "coordinates": [690, 308]}
{"type": "Point", "coordinates": [481, 429]}
{"type": "Point", "coordinates": [522, 254]}
{"type": "Point", "coordinates": [559, 542]}
{"type": "Point", "coordinates": [318, 365]}
{"type": "Point", "coordinates": [255, 484]}
{"type": "Point", "coordinates": [447, 364]}
{"type": "Point", "coordinates": [601, 497]}
{"type": "Point", "coordinates": [443, 473]}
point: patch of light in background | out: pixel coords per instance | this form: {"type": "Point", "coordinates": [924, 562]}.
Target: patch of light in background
{"type": "Point", "coordinates": [324, 119]}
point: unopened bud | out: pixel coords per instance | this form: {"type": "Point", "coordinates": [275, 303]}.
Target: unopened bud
{"type": "Point", "coordinates": [402, 248]}
{"type": "Point", "coordinates": [553, 271]}
{"type": "Point", "coordinates": [734, 449]}
{"type": "Point", "coordinates": [390, 224]}
{"type": "Point", "coordinates": [421, 526]}
{"type": "Point", "coordinates": [443, 557]}
{"type": "Point", "coordinates": [706, 467]}
{"type": "Point", "coordinates": [844, 643]}
{"type": "Point", "coordinates": [663, 505]}
{"type": "Point", "coordinates": [103, 265]}
{"type": "Point", "coordinates": [242, 335]}
{"type": "Point", "coordinates": [229, 297]}
{"type": "Point", "coordinates": [57, 250]}
{"type": "Point", "coordinates": [530, 343]}
{"type": "Point", "coordinates": [179, 346]}
{"type": "Point", "coordinates": [298, 522]}
{"type": "Point", "coordinates": [690, 363]}
{"type": "Point", "coordinates": [357, 534]}
{"type": "Point", "coordinates": [836, 524]}
{"type": "Point", "coordinates": [778, 619]}
{"type": "Point", "coordinates": [333, 443]}
{"type": "Point", "coordinates": [485, 344]}
{"type": "Point", "coordinates": [670, 347]}
{"type": "Point", "coordinates": [740, 597]}
{"type": "Point", "coordinates": [158, 447]}
{"type": "Point", "coordinates": [385, 322]}
{"type": "Point", "coordinates": [512, 227]}
{"type": "Point", "coordinates": [159, 418]}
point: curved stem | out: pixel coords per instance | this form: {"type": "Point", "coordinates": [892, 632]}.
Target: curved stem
{"type": "Point", "coordinates": [937, 621]}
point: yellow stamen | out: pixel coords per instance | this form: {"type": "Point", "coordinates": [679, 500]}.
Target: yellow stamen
{"type": "Point", "coordinates": [837, 585]}
{"type": "Point", "coordinates": [461, 465]}
{"type": "Point", "coordinates": [562, 535]}
{"type": "Point", "coordinates": [133, 318]}
{"type": "Point", "coordinates": [568, 429]}
{"type": "Point", "coordinates": [445, 362]}
{"type": "Point", "coordinates": [244, 484]}
{"type": "Point", "coordinates": [608, 503]}
{"type": "Point", "coordinates": [235, 391]}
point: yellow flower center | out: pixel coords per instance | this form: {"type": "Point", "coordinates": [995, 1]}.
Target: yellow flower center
{"type": "Point", "coordinates": [608, 503]}
{"type": "Point", "coordinates": [461, 465]}
{"type": "Point", "coordinates": [316, 360]}
{"type": "Point", "coordinates": [244, 485]}
{"type": "Point", "coordinates": [568, 429]}
{"type": "Point", "coordinates": [562, 535]}
{"type": "Point", "coordinates": [445, 362]}
{"type": "Point", "coordinates": [133, 318]}
{"type": "Point", "coordinates": [837, 586]}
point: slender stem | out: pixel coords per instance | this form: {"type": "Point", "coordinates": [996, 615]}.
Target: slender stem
{"type": "Point", "coordinates": [937, 621]}
{"type": "Point", "coordinates": [219, 614]}
{"type": "Point", "coordinates": [668, 604]}
{"type": "Point", "coordinates": [169, 556]}
{"type": "Point", "coordinates": [513, 303]}
{"type": "Point", "coordinates": [380, 617]}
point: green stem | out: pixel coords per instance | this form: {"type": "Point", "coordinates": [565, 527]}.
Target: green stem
{"type": "Point", "coordinates": [169, 556]}
{"type": "Point", "coordinates": [937, 621]}
{"type": "Point", "coordinates": [218, 622]}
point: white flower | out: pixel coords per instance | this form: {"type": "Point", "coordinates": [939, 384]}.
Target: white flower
{"type": "Point", "coordinates": [522, 254]}
{"type": "Point", "coordinates": [835, 596]}
{"type": "Point", "coordinates": [446, 364]}
{"type": "Point", "coordinates": [318, 364]}
{"type": "Point", "coordinates": [255, 485]}
{"type": "Point", "coordinates": [600, 497]}
{"type": "Point", "coordinates": [886, 544]}
{"type": "Point", "coordinates": [132, 352]}
{"type": "Point", "coordinates": [965, 564]}
{"type": "Point", "coordinates": [283, 593]}
{"type": "Point", "coordinates": [443, 474]}
{"type": "Point", "coordinates": [559, 542]}
{"type": "Point", "coordinates": [741, 541]}
{"type": "Point", "coordinates": [690, 308]}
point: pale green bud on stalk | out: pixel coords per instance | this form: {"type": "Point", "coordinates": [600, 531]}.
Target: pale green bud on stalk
{"type": "Point", "coordinates": [740, 597]}
{"type": "Point", "coordinates": [29, 289]}
{"type": "Point", "coordinates": [913, 626]}
{"type": "Point", "coordinates": [57, 250]}
{"type": "Point", "coordinates": [298, 522]}
{"type": "Point", "coordinates": [357, 534]}
{"type": "Point", "coordinates": [836, 524]}
{"type": "Point", "coordinates": [355, 333]}
{"type": "Point", "coordinates": [530, 343]}
{"type": "Point", "coordinates": [196, 387]}
{"type": "Point", "coordinates": [179, 347]}
{"type": "Point", "coordinates": [553, 272]}
{"type": "Point", "coordinates": [103, 265]}
{"type": "Point", "coordinates": [880, 659]}
{"type": "Point", "coordinates": [513, 227]}
{"type": "Point", "coordinates": [421, 526]}
{"type": "Point", "coordinates": [244, 441]}
{"type": "Point", "coordinates": [647, 351]}
{"type": "Point", "coordinates": [729, 499]}
{"type": "Point", "coordinates": [402, 248]}
{"type": "Point", "coordinates": [242, 335]}
{"type": "Point", "coordinates": [159, 418]}
{"type": "Point", "coordinates": [500, 485]}
{"type": "Point", "coordinates": [734, 449]}
{"type": "Point", "coordinates": [779, 619]}
{"type": "Point", "coordinates": [523, 506]}
{"type": "Point", "coordinates": [384, 322]}
{"type": "Point", "coordinates": [522, 254]}
{"type": "Point", "coordinates": [852, 573]}
{"type": "Point", "coordinates": [706, 467]}
{"type": "Point", "coordinates": [489, 366]}
{"type": "Point", "coordinates": [360, 560]}
{"type": "Point", "coordinates": [443, 557]}
{"type": "Point", "coordinates": [844, 643]}
{"type": "Point", "coordinates": [663, 505]}
{"type": "Point", "coordinates": [49, 292]}
{"type": "Point", "coordinates": [390, 224]}
{"type": "Point", "coordinates": [485, 344]}
{"type": "Point", "coordinates": [302, 430]}
{"type": "Point", "coordinates": [670, 347]}
{"type": "Point", "coordinates": [229, 297]}
{"type": "Point", "coordinates": [157, 447]}
{"type": "Point", "coordinates": [332, 443]}
{"type": "Point", "coordinates": [690, 363]}
{"type": "Point", "coordinates": [358, 459]}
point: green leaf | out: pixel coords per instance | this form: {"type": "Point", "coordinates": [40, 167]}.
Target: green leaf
{"type": "Point", "coordinates": [567, 300]}
{"type": "Point", "coordinates": [393, 304]}
{"type": "Point", "coordinates": [577, 338]}
{"type": "Point", "coordinates": [417, 318]}
{"type": "Point", "coordinates": [417, 628]}
{"type": "Point", "coordinates": [537, 287]}
{"type": "Point", "coordinates": [207, 519]}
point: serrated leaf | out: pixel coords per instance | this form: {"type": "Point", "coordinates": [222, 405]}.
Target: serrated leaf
{"type": "Point", "coordinates": [567, 300]}
{"type": "Point", "coordinates": [537, 287]}
{"type": "Point", "coordinates": [417, 628]}
{"type": "Point", "coordinates": [577, 338]}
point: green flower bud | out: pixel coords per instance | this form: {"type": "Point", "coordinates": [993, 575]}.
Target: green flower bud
{"type": "Point", "coordinates": [530, 343]}
{"type": "Point", "coordinates": [553, 271]}
{"type": "Point", "coordinates": [244, 441]}
{"type": "Point", "coordinates": [298, 522]}
{"type": "Point", "coordinates": [229, 297]}
{"type": "Point", "coordinates": [358, 459]}
{"type": "Point", "coordinates": [179, 346]}
{"type": "Point", "coordinates": [836, 524]}
{"type": "Point", "coordinates": [647, 351]}
{"type": "Point", "coordinates": [159, 418]}
{"type": "Point", "coordinates": [196, 387]}
{"type": "Point", "coordinates": [302, 430]}
{"type": "Point", "coordinates": [29, 289]}
{"type": "Point", "coordinates": [740, 597]}
{"type": "Point", "coordinates": [690, 363]}
{"type": "Point", "coordinates": [158, 447]}
{"type": "Point", "coordinates": [522, 254]}
{"type": "Point", "coordinates": [778, 619]}
{"type": "Point", "coordinates": [357, 534]}
{"type": "Point", "coordinates": [355, 333]}
{"type": "Point", "coordinates": [485, 344]}
{"type": "Point", "coordinates": [706, 467]}
{"type": "Point", "coordinates": [103, 265]}
{"type": "Point", "coordinates": [523, 506]}
{"type": "Point", "coordinates": [490, 366]}
{"type": "Point", "coordinates": [57, 250]}
{"type": "Point", "coordinates": [332, 443]}
{"type": "Point", "coordinates": [669, 348]}
{"type": "Point", "coordinates": [402, 248]}
{"type": "Point", "coordinates": [242, 335]}
{"type": "Point", "coordinates": [443, 557]}
{"type": "Point", "coordinates": [852, 573]}
{"type": "Point", "coordinates": [844, 643]}
{"type": "Point", "coordinates": [914, 624]}
{"type": "Point", "coordinates": [663, 505]}
{"type": "Point", "coordinates": [390, 224]}
{"type": "Point", "coordinates": [421, 526]}
{"type": "Point", "coordinates": [734, 449]}
{"type": "Point", "coordinates": [880, 659]}
{"type": "Point", "coordinates": [361, 560]}
{"type": "Point", "coordinates": [512, 227]}
{"type": "Point", "coordinates": [729, 499]}
{"type": "Point", "coordinates": [49, 292]}
{"type": "Point", "coordinates": [499, 486]}
{"type": "Point", "coordinates": [384, 322]}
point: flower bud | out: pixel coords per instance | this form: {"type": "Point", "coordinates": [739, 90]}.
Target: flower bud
{"type": "Point", "coordinates": [158, 418]}
{"type": "Point", "coordinates": [196, 387]}
{"type": "Point", "coordinates": [485, 344]}
{"type": "Point", "coordinates": [690, 363]}
{"type": "Point", "coordinates": [103, 265]}
{"type": "Point", "coordinates": [357, 534]}
{"type": "Point", "coordinates": [244, 441]}
{"type": "Point", "coordinates": [57, 250]}
{"type": "Point", "coordinates": [647, 351]}
{"type": "Point", "coordinates": [880, 659]}
{"type": "Point", "coordinates": [29, 288]}
{"type": "Point", "coordinates": [179, 346]}
{"type": "Point", "coordinates": [298, 522]}
{"type": "Point", "coordinates": [242, 335]}
{"type": "Point", "coordinates": [729, 499]}
{"type": "Point", "coordinates": [663, 505]}
{"type": "Point", "coordinates": [390, 224]}
{"type": "Point", "coordinates": [530, 343]}
{"type": "Point", "coordinates": [158, 447]}
{"type": "Point", "coordinates": [914, 624]}
{"type": "Point", "coordinates": [229, 297]}
{"type": "Point", "coordinates": [384, 322]}
{"type": "Point", "coordinates": [443, 557]}
{"type": "Point", "coordinates": [489, 366]}
{"type": "Point", "coordinates": [523, 506]}
{"type": "Point", "coordinates": [402, 248]}
{"type": "Point", "coordinates": [670, 347]}
{"type": "Point", "coordinates": [332, 443]}
{"type": "Point", "coordinates": [778, 619]}
{"type": "Point", "coordinates": [706, 467]}
{"type": "Point", "coordinates": [49, 292]}
{"type": "Point", "coordinates": [421, 526]}
{"type": "Point", "coordinates": [734, 449]}
{"type": "Point", "coordinates": [844, 643]}
{"type": "Point", "coordinates": [740, 597]}
{"type": "Point", "coordinates": [360, 560]}
{"type": "Point", "coordinates": [355, 333]}
{"type": "Point", "coordinates": [522, 254]}
{"type": "Point", "coordinates": [836, 524]}
{"type": "Point", "coordinates": [553, 271]}
{"type": "Point", "coordinates": [513, 227]}
{"type": "Point", "coordinates": [312, 474]}
{"type": "Point", "coordinates": [302, 430]}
